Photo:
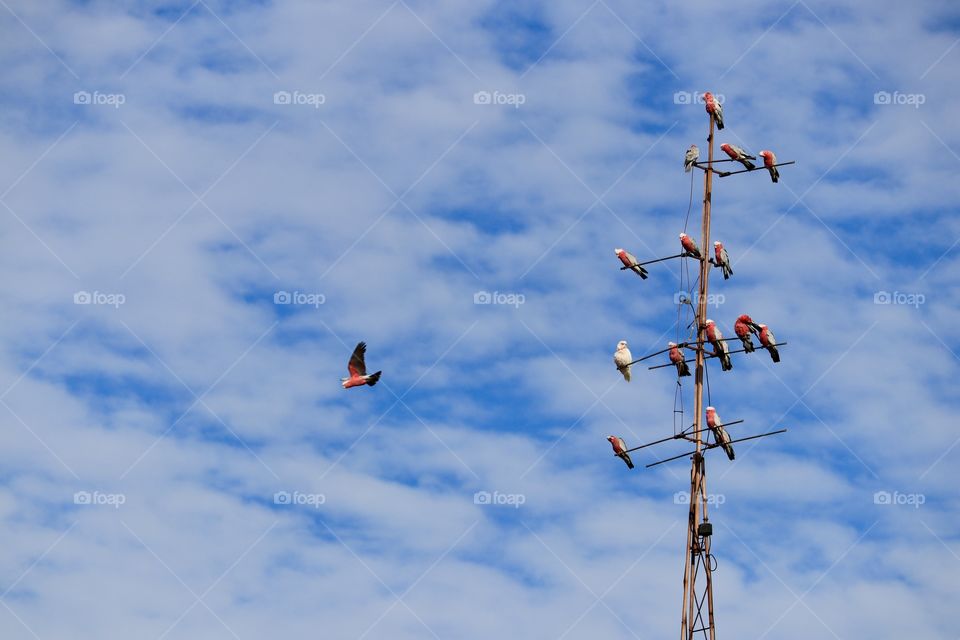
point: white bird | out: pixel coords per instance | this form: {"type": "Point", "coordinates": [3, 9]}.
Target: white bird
{"type": "Point", "coordinates": [693, 154]}
{"type": "Point", "coordinates": [622, 358]}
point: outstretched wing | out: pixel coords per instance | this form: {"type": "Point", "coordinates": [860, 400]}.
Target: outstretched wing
{"type": "Point", "coordinates": [357, 366]}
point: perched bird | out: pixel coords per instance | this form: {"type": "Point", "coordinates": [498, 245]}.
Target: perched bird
{"type": "Point", "coordinates": [620, 449]}
{"type": "Point", "coordinates": [690, 246]}
{"type": "Point", "coordinates": [769, 342]}
{"type": "Point", "coordinates": [714, 108]}
{"type": "Point", "coordinates": [722, 259]}
{"type": "Point", "coordinates": [676, 357]}
{"type": "Point", "coordinates": [629, 260]}
{"type": "Point", "coordinates": [716, 425]}
{"type": "Point", "coordinates": [358, 370]}
{"type": "Point", "coordinates": [693, 154]}
{"type": "Point", "coordinates": [768, 161]}
{"type": "Point", "coordinates": [743, 327]}
{"type": "Point", "coordinates": [622, 358]}
{"type": "Point", "coordinates": [720, 348]}
{"type": "Point", "coordinates": [738, 154]}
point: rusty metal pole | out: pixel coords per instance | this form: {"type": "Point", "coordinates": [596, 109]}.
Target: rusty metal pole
{"type": "Point", "coordinates": [697, 467]}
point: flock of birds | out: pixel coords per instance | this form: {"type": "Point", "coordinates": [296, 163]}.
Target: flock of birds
{"type": "Point", "coordinates": [744, 327]}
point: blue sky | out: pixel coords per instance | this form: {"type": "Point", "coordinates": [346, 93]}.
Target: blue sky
{"type": "Point", "coordinates": [179, 460]}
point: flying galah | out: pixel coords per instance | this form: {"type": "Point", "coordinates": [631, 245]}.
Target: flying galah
{"type": "Point", "coordinates": [622, 358]}
{"type": "Point", "coordinates": [769, 342]}
{"type": "Point", "coordinates": [720, 348]}
{"type": "Point", "coordinates": [768, 161]}
{"type": "Point", "coordinates": [630, 260]}
{"type": "Point", "coordinates": [676, 357]}
{"type": "Point", "coordinates": [743, 327]}
{"type": "Point", "coordinates": [714, 108]}
{"type": "Point", "coordinates": [690, 246]}
{"type": "Point", "coordinates": [358, 370]}
{"type": "Point", "coordinates": [620, 449]}
{"type": "Point", "coordinates": [716, 425]}
{"type": "Point", "coordinates": [722, 259]}
{"type": "Point", "coordinates": [693, 154]}
{"type": "Point", "coordinates": [738, 154]}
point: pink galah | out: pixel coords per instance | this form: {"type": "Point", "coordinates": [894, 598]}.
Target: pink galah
{"type": "Point", "coordinates": [676, 357]}
{"type": "Point", "coordinates": [690, 246]}
{"type": "Point", "coordinates": [722, 259]}
{"type": "Point", "coordinates": [622, 358]}
{"type": "Point", "coordinates": [630, 260]}
{"type": "Point", "coordinates": [743, 328]}
{"type": "Point", "coordinates": [620, 449]}
{"type": "Point", "coordinates": [720, 348]}
{"type": "Point", "coordinates": [693, 154]}
{"type": "Point", "coordinates": [358, 370]}
{"type": "Point", "coordinates": [769, 159]}
{"type": "Point", "coordinates": [714, 108]}
{"type": "Point", "coordinates": [738, 154]}
{"type": "Point", "coordinates": [769, 342]}
{"type": "Point", "coordinates": [716, 425]}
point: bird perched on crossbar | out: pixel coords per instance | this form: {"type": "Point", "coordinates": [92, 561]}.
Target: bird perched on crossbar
{"type": "Point", "coordinates": [738, 154]}
{"type": "Point", "coordinates": [620, 449]}
{"type": "Point", "coordinates": [690, 247]}
{"type": "Point", "coordinates": [693, 154]}
{"type": "Point", "coordinates": [622, 358]}
{"type": "Point", "coordinates": [716, 425]}
{"type": "Point", "coordinates": [743, 327]}
{"type": "Point", "coordinates": [676, 357]}
{"type": "Point", "coordinates": [630, 261]}
{"type": "Point", "coordinates": [720, 348]}
{"type": "Point", "coordinates": [769, 160]}
{"type": "Point", "coordinates": [769, 342]}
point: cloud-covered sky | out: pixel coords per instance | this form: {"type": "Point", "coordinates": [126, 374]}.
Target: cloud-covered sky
{"type": "Point", "coordinates": [206, 204]}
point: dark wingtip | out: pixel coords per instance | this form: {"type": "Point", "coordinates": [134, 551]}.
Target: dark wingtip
{"type": "Point", "coordinates": [374, 378]}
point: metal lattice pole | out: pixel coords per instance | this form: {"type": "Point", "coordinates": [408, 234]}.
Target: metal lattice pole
{"type": "Point", "coordinates": [697, 552]}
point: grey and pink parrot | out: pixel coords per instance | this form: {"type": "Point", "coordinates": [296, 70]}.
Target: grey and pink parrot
{"type": "Point", "coordinates": [358, 370]}
{"type": "Point", "coordinates": [743, 327]}
{"type": "Point", "coordinates": [769, 160]}
{"type": "Point", "coordinates": [769, 342]}
{"type": "Point", "coordinates": [690, 247]}
{"type": "Point", "coordinates": [714, 108]}
{"type": "Point", "coordinates": [620, 450]}
{"type": "Point", "coordinates": [722, 259]}
{"type": "Point", "coordinates": [720, 348]}
{"type": "Point", "coordinates": [693, 154]}
{"type": "Point", "coordinates": [622, 358]}
{"type": "Point", "coordinates": [676, 357]}
{"type": "Point", "coordinates": [721, 435]}
{"type": "Point", "coordinates": [738, 154]}
{"type": "Point", "coordinates": [630, 261]}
